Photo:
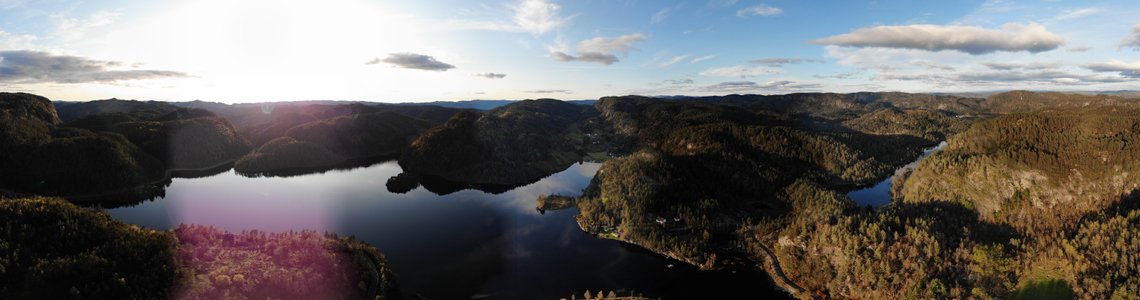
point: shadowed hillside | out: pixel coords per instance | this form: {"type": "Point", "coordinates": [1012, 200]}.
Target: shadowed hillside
{"type": "Point", "coordinates": [41, 157]}
{"type": "Point", "coordinates": [513, 144]}
{"type": "Point", "coordinates": [180, 138]}
{"type": "Point", "coordinates": [335, 140]}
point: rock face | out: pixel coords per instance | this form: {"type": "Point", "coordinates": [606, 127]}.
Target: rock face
{"type": "Point", "coordinates": [29, 107]}
{"type": "Point", "coordinates": [513, 144]}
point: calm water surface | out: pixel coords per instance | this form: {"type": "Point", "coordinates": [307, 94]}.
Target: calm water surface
{"type": "Point", "coordinates": [880, 193]}
{"type": "Point", "coordinates": [463, 245]}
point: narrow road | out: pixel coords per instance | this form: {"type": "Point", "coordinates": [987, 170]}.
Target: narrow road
{"type": "Point", "coordinates": [778, 273]}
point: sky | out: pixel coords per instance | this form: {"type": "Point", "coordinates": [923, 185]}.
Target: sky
{"type": "Point", "coordinates": [411, 51]}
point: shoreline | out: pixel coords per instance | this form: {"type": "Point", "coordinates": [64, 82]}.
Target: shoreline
{"type": "Point", "coordinates": [168, 175]}
{"type": "Point", "coordinates": [770, 265]}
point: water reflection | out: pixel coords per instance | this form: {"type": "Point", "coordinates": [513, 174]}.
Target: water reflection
{"type": "Point", "coordinates": [455, 245]}
{"type": "Point", "coordinates": [880, 193]}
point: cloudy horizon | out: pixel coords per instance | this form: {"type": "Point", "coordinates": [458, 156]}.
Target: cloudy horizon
{"type": "Point", "coordinates": [408, 51]}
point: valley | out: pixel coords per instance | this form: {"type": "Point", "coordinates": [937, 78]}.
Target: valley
{"type": "Point", "coordinates": [973, 197]}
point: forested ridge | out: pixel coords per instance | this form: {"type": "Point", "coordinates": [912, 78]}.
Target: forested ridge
{"type": "Point", "coordinates": [120, 146]}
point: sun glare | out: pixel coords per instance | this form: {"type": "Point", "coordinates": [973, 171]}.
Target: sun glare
{"type": "Point", "coordinates": [244, 51]}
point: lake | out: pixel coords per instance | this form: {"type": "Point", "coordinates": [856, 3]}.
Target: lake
{"type": "Point", "coordinates": [462, 245]}
{"type": "Point", "coordinates": [880, 194]}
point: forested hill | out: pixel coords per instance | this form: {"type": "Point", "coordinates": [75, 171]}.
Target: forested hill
{"type": "Point", "coordinates": [706, 168]}
{"type": "Point", "coordinates": [513, 144]}
{"type": "Point", "coordinates": [52, 249]}
{"type": "Point", "coordinates": [39, 156]}
{"type": "Point", "coordinates": [1017, 168]}
{"type": "Point", "coordinates": [1032, 203]}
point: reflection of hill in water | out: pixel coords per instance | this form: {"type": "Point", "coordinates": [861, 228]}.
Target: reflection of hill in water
{"type": "Point", "coordinates": [407, 181]}
{"type": "Point", "coordinates": [345, 166]}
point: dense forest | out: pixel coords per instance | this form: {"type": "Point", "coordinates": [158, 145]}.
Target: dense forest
{"type": "Point", "coordinates": [1022, 205]}
{"type": "Point", "coordinates": [335, 140]}
{"type": "Point", "coordinates": [40, 156]}
{"type": "Point", "coordinates": [705, 169]}
{"type": "Point", "coordinates": [513, 144]}
{"type": "Point", "coordinates": [51, 249]}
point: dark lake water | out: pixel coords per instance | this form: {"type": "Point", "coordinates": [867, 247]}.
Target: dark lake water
{"type": "Point", "coordinates": [880, 193]}
{"type": "Point", "coordinates": [463, 245]}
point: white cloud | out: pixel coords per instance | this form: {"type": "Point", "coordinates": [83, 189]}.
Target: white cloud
{"type": "Point", "coordinates": [1012, 37]}
{"type": "Point", "coordinates": [845, 75]}
{"type": "Point", "coordinates": [549, 92]}
{"type": "Point", "coordinates": [610, 45]}
{"type": "Point", "coordinates": [1079, 13]}
{"type": "Point", "coordinates": [759, 10]}
{"type": "Point", "coordinates": [781, 61]}
{"type": "Point", "coordinates": [538, 16]}
{"type": "Point", "coordinates": [1133, 40]}
{"type": "Point", "coordinates": [663, 14]}
{"type": "Point", "coordinates": [673, 61]}
{"type": "Point", "coordinates": [71, 29]}
{"type": "Point", "coordinates": [600, 50]}
{"type": "Point", "coordinates": [702, 58]}
{"type": "Point", "coordinates": [931, 65]}
{"type": "Point", "coordinates": [749, 86]}
{"type": "Point", "coordinates": [732, 86]}
{"type": "Point", "coordinates": [1124, 68]}
{"type": "Point", "coordinates": [1077, 49]}
{"type": "Point", "coordinates": [1017, 66]}
{"type": "Point", "coordinates": [1001, 78]}
{"type": "Point", "coordinates": [16, 41]}
{"type": "Point", "coordinates": [741, 71]}
{"type": "Point", "coordinates": [725, 3]}
{"type": "Point", "coordinates": [788, 85]}
{"type": "Point", "coordinates": [685, 81]}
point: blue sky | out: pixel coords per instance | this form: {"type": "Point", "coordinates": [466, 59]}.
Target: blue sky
{"type": "Point", "coordinates": [262, 50]}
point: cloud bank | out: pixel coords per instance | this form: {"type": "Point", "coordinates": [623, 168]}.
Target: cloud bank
{"type": "Point", "coordinates": [1011, 37]}
{"type": "Point", "coordinates": [26, 66]}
